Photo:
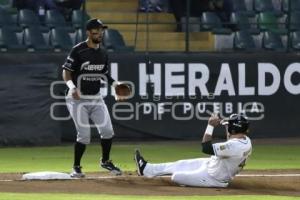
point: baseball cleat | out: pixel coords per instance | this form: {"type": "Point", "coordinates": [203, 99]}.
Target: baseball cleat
{"type": "Point", "coordinates": [77, 173]}
{"type": "Point", "coordinates": [111, 167]}
{"type": "Point", "coordinates": [140, 162]}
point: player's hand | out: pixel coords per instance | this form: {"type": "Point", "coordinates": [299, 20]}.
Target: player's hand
{"type": "Point", "coordinates": [214, 120]}
{"type": "Point", "coordinates": [75, 93]}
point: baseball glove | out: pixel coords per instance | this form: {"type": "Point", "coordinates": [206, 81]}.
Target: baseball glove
{"type": "Point", "coordinates": [123, 91]}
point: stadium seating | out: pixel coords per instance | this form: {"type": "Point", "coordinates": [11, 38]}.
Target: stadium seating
{"type": "Point", "coordinates": [28, 18]}
{"type": "Point", "coordinates": [34, 40]}
{"type": "Point", "coordinates": [247, 22]}
{"type": "Point", "coordinates": [267, 6]}
{"type": "Point", "coordinates": [5, 4]}
{"type": "Point", "coordinates": [241, 21]}
{"type": "Point", "coordinates": [240, 6]}
{"type": "Point", "coordinates": [272, 41]}
{"type": "Point", "coordinates": [80, 35]}
{"type": "Point", "coordinates": [211, 22]}
{"type": "Point", "coordinates": [9, 40]}
{"type": "Point", "coordinates": [60, 39]}
{"type": "Point", "coordinates": [114, 41]}
{"type": "Point", "coordinates": [6, 19]}
{"type": "Point", "coordinates": [243, 41]}
{"type": "Point", "coordinates": [295, 21]}
{"type": "Point", "coordinates": [295, 5]}
{"type": "Point", "coordinates": [77, 19]}
{"type": "Point", "coordinates": [263, 5]}
{"type": "Point", "coordinates": [54, 19]}
{"type": "Point", "coordinates": [295, 40]}
{"type": "Point", "coordinates": [194, 24]}
{"type": "Point", "coordinates": [267, 21]}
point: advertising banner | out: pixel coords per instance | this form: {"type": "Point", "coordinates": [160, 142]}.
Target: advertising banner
{"type": "Point", "coordinates": [174, 95]}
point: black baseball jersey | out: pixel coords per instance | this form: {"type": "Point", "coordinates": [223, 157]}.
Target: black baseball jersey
{"type": "Point", "coordinates": [86, 64]}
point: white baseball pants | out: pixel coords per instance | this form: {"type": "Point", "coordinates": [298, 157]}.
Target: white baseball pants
{"type": "Point", "coordinates": [191, 172]}
{"type": "Point", "coordinates": [85, 109]}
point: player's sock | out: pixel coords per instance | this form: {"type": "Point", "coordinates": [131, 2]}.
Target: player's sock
{"type": "Point", "coordinates": [106, 146]}
{"type": "Point", "coordinates": [79, 149]}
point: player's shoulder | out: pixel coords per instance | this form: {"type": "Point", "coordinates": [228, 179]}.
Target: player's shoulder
{"type": "Point", "coordinates": [234, 144]}
{"type": "Point", "coordinates": [240, 141]}
{"type": "Point", "coordinates": [80, 46]}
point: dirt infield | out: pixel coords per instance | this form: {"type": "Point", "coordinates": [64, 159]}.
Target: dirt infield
{"type": "Point", "coordinates": [266, 182]}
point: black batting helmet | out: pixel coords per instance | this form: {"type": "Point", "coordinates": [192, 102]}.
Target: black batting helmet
{"type": "Point", "coordinates": [237, 123]}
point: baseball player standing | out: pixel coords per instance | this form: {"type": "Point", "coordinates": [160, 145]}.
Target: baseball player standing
{"type": "Point", "coordinates": [83, 70]}
{"type": "Point", "coordinates": [228, 158]}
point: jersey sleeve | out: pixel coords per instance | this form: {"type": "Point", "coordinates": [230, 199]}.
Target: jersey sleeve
{"type": "Point", "coordinates": [71, 62]}
{"type": "Point", "coordinates": [225, 149]}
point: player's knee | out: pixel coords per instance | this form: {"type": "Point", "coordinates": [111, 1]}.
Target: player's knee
{"type": "Point", "coordinates": [181, 179]}
{"type": "Point", "coordinates": [107, 134]}
{"type": "Point", "coordinates": [84, 140]}
{"type": "Point", "coordinates": [176, 178]}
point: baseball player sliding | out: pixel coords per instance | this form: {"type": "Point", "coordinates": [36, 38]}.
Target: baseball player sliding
{"type": "Point", "coordinates": [83, 70]}
{"type": "Point", "coordinates": [228, 158]}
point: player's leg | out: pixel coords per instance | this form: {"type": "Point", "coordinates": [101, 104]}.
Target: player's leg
{"type": "Point", "coordinates": [184, 172]}
{"type": "Point", "coordinates": [145, 168]}
{"type": "Point", "coordinates": [100, 116]}
{"type": "Point", "coordinates": [196, 178]}
{"type": "Point", "coordinates": [80, 117]}
{"type": "Point", "coordinates": [152, 170]}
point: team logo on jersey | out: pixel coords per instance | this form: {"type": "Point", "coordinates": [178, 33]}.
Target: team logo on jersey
{"type": "Point", "coordinates": [222, 147]}
{"type": "Point", "coordinates": [84, 65]}
{"type": "Point", "coordinates": [87, 67]}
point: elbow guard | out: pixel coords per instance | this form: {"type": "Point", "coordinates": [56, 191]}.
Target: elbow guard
{"type": "Point", "coordinates": [208, 148]}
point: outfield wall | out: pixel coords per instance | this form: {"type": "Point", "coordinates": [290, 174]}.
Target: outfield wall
{"type": "Point", "coordinates": [173, 95]}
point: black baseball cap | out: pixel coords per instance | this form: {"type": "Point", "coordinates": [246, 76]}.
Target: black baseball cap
{"type": "Point", "coordinates": [94, 24]}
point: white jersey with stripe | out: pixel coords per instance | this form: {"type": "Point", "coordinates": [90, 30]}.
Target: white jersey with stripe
{"type": "Point", "coordinates": [230, 158]}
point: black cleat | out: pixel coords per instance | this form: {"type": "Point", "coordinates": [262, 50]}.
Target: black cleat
{"type": "Point", "coordinates": [77, 173]}
{"type": "Point", "coordinates": [111, 167]}
{"type": "Point", "coordinates": [140, 162]}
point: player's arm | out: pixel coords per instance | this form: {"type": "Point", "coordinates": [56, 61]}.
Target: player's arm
{"type": "Point", "coordinates": [112, 82]}
{"type": "Point", "coordinates": [207, 146]}
{"type": "Point", "coordinates": [68, 69]}
{"type": "Point", "coordinates": [225, 149]}
{"type": "Point", "coordinates": [106, 74]}
{"type": "Point", "coordinates": [67, 76]}
{"type": "Point", "coordinates": [109, 79]}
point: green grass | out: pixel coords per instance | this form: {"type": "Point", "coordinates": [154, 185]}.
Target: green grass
{"type": "Point", "coordinates": [14, 196]}
{"type": "Point", "coordinates": [275, 157]}
{"type": "Point", "coordinates": [61, 158]}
